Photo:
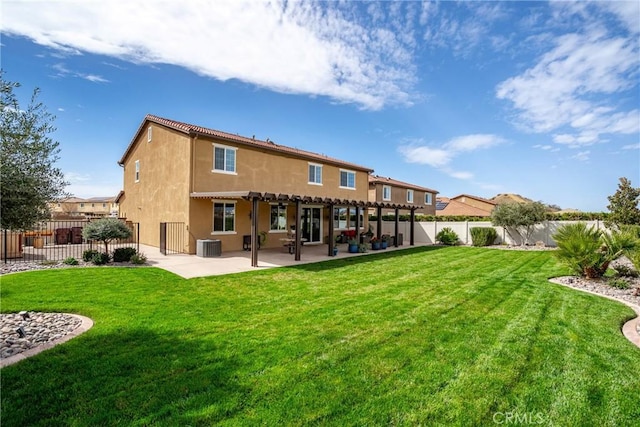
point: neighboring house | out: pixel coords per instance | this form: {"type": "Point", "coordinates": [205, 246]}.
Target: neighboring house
{"type": "Point", "coordinates": [394, 192]}
{"type": "Point", "coordinates": [78, 207]}
{"type": "Point", "coordinates": [464, 205]}
{"type": "Point", "coordinates": [211, 183]}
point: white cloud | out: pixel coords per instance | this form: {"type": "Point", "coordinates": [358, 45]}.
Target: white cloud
{"type": "Point", "coordinates": [632, 146]}
{"type": "Point", "coordinates": [574, 89]}
{"type": "Point", "coordinates": [316, 48]}
{"type": "Point", "coordinates": [440, 157]}
{"type": "Point", "coordinates": [76, 177]}
{"type": "Point", "coordinates": [435, 157]}
{"type": "Point", "coordinates": [583, 156]}
{"type": "Point", "coordinates": [473, 142]}
{"type": "Point", "coordinates": [63, 71]}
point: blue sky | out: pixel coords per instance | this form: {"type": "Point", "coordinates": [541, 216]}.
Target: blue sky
{"type": "Point", "coordinates": [536, 98]}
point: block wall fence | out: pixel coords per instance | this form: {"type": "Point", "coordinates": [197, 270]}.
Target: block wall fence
{"type": "Point", "coordinates": [425, 232]}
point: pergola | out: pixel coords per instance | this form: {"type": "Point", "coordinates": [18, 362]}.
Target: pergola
{"type": "Point", "coordinates": [255, 197]}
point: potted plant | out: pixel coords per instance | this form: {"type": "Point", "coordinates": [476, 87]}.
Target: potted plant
{"type": "Point", "coordinates": [335, 250]}
{"type": "Point", "coordinates": [362, 248]}
{"type": "Point", "coordinates": [353, 246]}
{"type": "Point", "coordinates": [375, 243]}
{"type": "Point", "coordinates": [367, 235]}
{"type": "Point", "coordinates": [384, 241]}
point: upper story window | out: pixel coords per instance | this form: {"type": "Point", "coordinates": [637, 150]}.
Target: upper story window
{"type": "Point", "coordinates": [93, 205]}
{"type": "Point", "coordinates": [315, 174]}
{"type": "Point", "coordinates": [386, 192]}
{"type": "Point", "coordinates": [82, 205]}
{"type": "Point", "coordinates": [347, 179]}
{"type": "Point", "coordinates": [428, 199]}
{"type": "Point", "coordinates": [137, 175]}
{"type": "Point", "coordinates": [104, 205]}
{"type": "Point", "coordinates": [409, 196]}
{"type": "Point", "coordinates": [224, 217]}
{"type": "Point", "coordinates": [278, 218]}
{"type": "Point", "coordinates": [149, 133]}
{"type": "Point", "coordinates": [224, 159]}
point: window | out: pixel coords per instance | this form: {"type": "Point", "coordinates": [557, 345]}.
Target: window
{"type": "Point", "coordinates": [224, 159]}
{"type": "Point", "coordinates": [224, 217]}
{"type": "Point", "coordinates": [315, 174]}
{"type": "Point", "coordinates": [386, 192]}
{"type": "Point", "coordinates": [428, 199]}
{"type": "Point", "coordinates": [149, 134]}
{"type": "Point", "coordinates": [347, 179]}
{"type": "Point", "coordinates": [137, 170]}
{"type": "Point", "coordinates": [82, 205]}
{"type": "Point", "coordinates": [340, 218]}
{"type": "Point", "coordinates": [352, 218]}
{"type": "Point", "coordinates": [409, 196]}
{"type": "Point", "coordinates": [278, 218]}
{"type": "Point", "coordinates": [93, 205]}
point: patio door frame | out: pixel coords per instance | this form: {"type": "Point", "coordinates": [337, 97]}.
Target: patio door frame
{"type": "Point", "coordinates": [308, 234]}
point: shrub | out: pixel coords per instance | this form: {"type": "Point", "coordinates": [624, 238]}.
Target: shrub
{"type": "Point", "coordinates": [588, 251]}
{"type": "Point", "coordinates": [138, 259]}
{"type": "Point", "coordinates": [618, 283]}
{"type": "Point", "coordinates": [447, 236]}
{"type": "Point", "coordinates": [105, 230]}
{"type": "Point", "coordinates": [483, 236]}
{"type": "Point", "coordinates": [70, 261]}
{"type": "Point", "coordinates": [123, 254]}
{"type": "Point", "coordinates": [88, 255]}
{"type": "Point", "coordinates": [100, 258]}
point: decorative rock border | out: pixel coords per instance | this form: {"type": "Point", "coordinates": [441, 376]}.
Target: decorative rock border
{"type": "Point", "coordinates": [631, 329]}
{"type": "Point", "coordinates": [39, 332]}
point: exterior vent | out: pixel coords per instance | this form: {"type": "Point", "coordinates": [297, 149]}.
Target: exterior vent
{"type": "Point", "coordinates": [208, 248]}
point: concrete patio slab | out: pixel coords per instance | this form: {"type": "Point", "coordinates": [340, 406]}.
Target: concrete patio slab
{"type": "Point", "coordinates": [190, 266]}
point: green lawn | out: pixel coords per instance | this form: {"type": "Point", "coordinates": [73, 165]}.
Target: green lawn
{"type": "Point", "coordinates": [451, 336]}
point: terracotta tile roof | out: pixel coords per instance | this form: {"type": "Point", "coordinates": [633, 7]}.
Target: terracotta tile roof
{"type": "Point", "coordinates": [375, 179]}
{"type": "Point", "coordinates": [455, 208]}
{"type": "Point", "coordinates": [190, 129]}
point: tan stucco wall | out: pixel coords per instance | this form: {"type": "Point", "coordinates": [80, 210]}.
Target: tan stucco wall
{"type": "Point", "coordinates": [162, 193]}
{"type": "Point", "coordinates": [273, 172]}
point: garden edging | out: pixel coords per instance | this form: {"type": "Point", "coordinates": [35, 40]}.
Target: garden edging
{"type": "Point", "coordinates": [85, 325]}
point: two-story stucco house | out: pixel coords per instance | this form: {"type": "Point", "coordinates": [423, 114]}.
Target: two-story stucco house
{"type": "Point", "coordinates": [394, 192]}
{"type": "Point", "coordinates": [214, 182]}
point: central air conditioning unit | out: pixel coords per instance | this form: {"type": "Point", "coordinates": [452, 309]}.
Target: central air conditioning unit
{"type": "Point", "coordinates": [208, 248]}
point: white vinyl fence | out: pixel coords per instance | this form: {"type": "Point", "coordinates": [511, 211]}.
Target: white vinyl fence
{"type": "Point", "coordinates": [425, 232]}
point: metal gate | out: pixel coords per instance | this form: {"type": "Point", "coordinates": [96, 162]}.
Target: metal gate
{"type": "Point", "coordinates": [172, 236]}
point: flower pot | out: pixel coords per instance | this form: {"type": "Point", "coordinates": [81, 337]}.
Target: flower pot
{"type": "Point", "coordinates": [335, 251]}
{"type": "Point", "coordinates": [375, 246]}
{"type": "Point", "coordinates": [353, 249]}
{"type": "Point", "coordinates": [383, 245]}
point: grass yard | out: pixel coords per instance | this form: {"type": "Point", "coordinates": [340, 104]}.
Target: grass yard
{"type": "Point", "coordinates": [431, 336]}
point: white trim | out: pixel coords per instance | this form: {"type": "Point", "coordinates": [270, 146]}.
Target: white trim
{"type": "Point", "coordinates": [386, 198]}
{"type": "Point", "coordinates": [348, 171]}
{"type": "Point", "coordinates": [235, 159]}
{"type": "Point", "coordinates": [317, 166]}
{"type": "Point", "coordinates": [149, 133]}
{"type": "Point", "coordinates": [136, 175]}
{"type": "Point", "coordinates": [430, 196]}
{"type": "Point", "coordinates": [223, 233]}
{"type": "Point", "coordinates": [410, 191]}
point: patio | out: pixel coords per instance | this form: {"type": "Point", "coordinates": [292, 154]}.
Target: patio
{"type": "Point", "coordinates": [189, 266]}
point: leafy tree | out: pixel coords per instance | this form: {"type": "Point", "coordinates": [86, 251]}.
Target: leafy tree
{"type": "Point", "coordinates": [519, 218]}
{"type": "Point", "coordinates": [28, 154]}
{"type": "Point", "coordinates": [623, 205]}
{"type": "Point", "coordinates": [105, 230]}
